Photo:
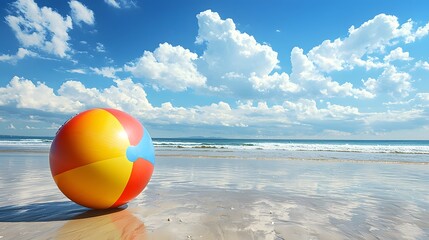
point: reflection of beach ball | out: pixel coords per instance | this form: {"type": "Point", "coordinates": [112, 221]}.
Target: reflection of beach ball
{"type": "Point", "coordinates": [119, 224]}
{"type": "Point", "coordinates": [102, 158]}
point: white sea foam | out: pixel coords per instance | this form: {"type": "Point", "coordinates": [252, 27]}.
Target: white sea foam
{"type": "Point", "coordinates": [176, 144]}
{"type": "Point", "coordinates": [26, 142]}
{"type": "Point", "coordinates": [411, 147]}
{"type": "Point", "coordinates": [312, 147]}
{"type": "Point", "coordinates": [343, 148]}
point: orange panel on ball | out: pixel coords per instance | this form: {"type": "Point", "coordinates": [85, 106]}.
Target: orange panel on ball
{"type": "Point", "coordinates": [91, 136]}
{"type": "Point", "coordinates": [98, 185]}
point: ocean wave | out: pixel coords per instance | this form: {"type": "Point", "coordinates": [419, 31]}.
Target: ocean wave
{"type": "Point", "coordinates": [297, 147]}
{"type": "Point", "coordinates": [411, 147]}
{"type": "Point", "coordinates": [175, 144]}
{"type": "Point", "coordinates": [26, 142]}
{"type": "Point", "coordinates": [239, 157]}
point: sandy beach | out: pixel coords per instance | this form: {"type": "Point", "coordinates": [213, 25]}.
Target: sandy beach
{"type": "Point", "coordinates": [219, 198]}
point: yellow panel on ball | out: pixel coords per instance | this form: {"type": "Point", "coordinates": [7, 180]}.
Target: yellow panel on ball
{"type": "Point", "coordinates": [91, 136]}
{"type": "Point", "coordinates": [94, 185]}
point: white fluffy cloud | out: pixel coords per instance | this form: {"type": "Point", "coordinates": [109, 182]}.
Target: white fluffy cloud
{"type": "Point", "coordinates": [301, 116]}
{"type": "Point", "coordinates": [234, 62]}
{"type": "Point", "coordinates": [422, 64]}
{"type": "Point", "coordinates": [108, 72]}
{"type": "Point", "coordinates": [421, 31]}
{"type": "Point", "coordinates": [214, 114]}
{"type": "Point", "coordinates": [80, 13]}
{"type": "Point", "coordinates": [121, 3]}
{"type": "Point", "coordinates": [230, 54]}
{"type": "Point", "coordinates": [112, 3]}
{"type": "Point", "coordinates": [274, 81]}
{"type": "Point", "coordinates": [20, 93]}
{"type": "Point", "coordinates": [255, 114]}
{"type": "Point", "coordinates": [361, 48]}
{"type": "Point", "coordinates": [394, 116]}
{"type": "Point", "coordinates": [423, 97]}
{"type": "Point", "coordinates": [22, 53]}
{"type": "Point", "coordinates": [169, 67]}
{"type": "Point", "coordinates": [100, 48]}
{"type": "Point", "coordinates": [391, 81]}
{"type": "Point", "coordinates": [223, 114]}
{"type": "Point", "coordinates": [73, 96]}
{"type": "Point", "coordinates": [372, 36]}
{"type": "Point", "coordinates": [126, 95]}
{"type": "Point", "coordinates": [77, 70]}
{"type": "Point", "coordinates": [41, 28]}
{"type": "Point", "coordinates": [306, 109]}
{"type": "Point", "coordinates": [229, 50]}
{"type": "Point", "coordinates": [315, 83]}
{"type": "Point", "coordinates": [397, 54]}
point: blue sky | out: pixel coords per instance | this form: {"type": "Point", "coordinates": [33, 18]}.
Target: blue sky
{"type": "Point", "coordinates": [237, 69]}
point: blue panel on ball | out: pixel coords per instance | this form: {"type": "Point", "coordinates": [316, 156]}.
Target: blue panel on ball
{"type": "Point", "coordinates": [144, 149]}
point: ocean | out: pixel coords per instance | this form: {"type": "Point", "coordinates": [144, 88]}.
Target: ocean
{"type": "Point", "coordinates": [386, 151]}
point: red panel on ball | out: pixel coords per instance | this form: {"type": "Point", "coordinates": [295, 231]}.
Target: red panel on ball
{"type": "Point", "coordinates": [133, 128]}
{"type": "Point", "coordinates": [140, 176]}
{"type": "Point", "coordinates": [61, 146]}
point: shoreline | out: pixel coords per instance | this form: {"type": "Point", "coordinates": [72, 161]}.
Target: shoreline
{"type": "Point", "coordinates": [238, 155]}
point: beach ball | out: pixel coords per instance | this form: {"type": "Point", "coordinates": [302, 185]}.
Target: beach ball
{"type": "Point", "coordinates": [102, 158]}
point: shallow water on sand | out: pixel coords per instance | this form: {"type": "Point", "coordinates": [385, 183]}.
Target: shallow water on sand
{"type": "Point", "coordinates": [223, 198]}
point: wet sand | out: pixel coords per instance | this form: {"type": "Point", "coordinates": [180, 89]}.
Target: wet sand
{"type": "Point", "coordinates": [219, 198]}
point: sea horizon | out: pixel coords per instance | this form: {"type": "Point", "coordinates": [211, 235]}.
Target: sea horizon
{"type": "Point", "coordinates": [4, 136]}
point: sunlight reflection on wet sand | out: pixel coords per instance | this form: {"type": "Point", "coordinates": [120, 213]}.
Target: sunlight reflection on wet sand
{"type": "Point", "coordinates": [216, 198]}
